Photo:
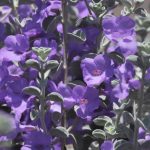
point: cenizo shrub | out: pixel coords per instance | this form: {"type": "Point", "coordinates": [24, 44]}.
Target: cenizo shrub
{"type": "Point", "coordinates": [74, 75]}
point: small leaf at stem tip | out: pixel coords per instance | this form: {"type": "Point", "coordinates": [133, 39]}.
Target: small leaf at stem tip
{"type": "Point", "coordinates": [102, 120]}
{"type": "Point", "coordinates": [52, 64]}
{"type": "Point", "coordinates": [139, 1]}
{"type": "Point", "coordinates": [46, 74]}
{"type": "Point", "coordinates": [127, 3]}
{"type": "Point", "coordinates": [110, 128]}
{"type": "Point", "coordinates": [127, 117]}
{"type": "Point", "coordinates": [54, 96]}
{"type": "Point", "coordinates": [42, 52]}
{"type": "Point", "coordinates": [117, 57]}
{"type": "Point", "coordinates": [132, 58]}
{"type": "Point", "coordinates": [77, 35]}
{"type": "Point", "coordinates": [32, 90]}
{"type": "Point", "coordinates": [123, 145]}
{"type": "Point", "coordinates": [98, 133]}
{"type": "Point", "coordinates": [141, 11]}
{"type": "Point", "coordinates": [32, 63]}
{"type": "Point", "coordinates": [60, 132]}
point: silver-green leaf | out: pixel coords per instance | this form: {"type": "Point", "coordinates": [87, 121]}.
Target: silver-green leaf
{"type": "Point", "coordinates": [32, 90]}
{"type": "Point", "coordinates": [55, 96]}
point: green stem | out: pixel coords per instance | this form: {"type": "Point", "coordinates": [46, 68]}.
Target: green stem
{"type": "Point", "coordinates": [42, 101]}
{"type": "Point", "coordinates": [138, 111]}
{"type": "Point", "coordinates": [65, 16]}
{"type": "Point", "coordinates": [65, 59]}
{"type": "Point", "coordinates": [118, 119]}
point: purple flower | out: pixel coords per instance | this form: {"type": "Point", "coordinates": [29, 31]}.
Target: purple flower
{"type": "Point", "coordinates": [121, 91]}
{"type": "Point", "coordinates": [55, 107]}
{"type": "Point", "coordinates": [97, 70]}
{"type": "Point", "coordinates": [82, 10]}
{"type": "Point", "coordinates": [66, 92]}
{"type": "Point", "coordinates": [9, 55]}
{"type": "Point", "coordinates": [17, 85]}
{"type": "Point", "coordinates": [107, 145]}
{"type": "Point", "coordinates": [126, 46]}
{"type": "Point", "coordinates": [14, 97]}
{"type": "Point", "coordinates": [87, 101]}
{"type": "Point", "coordinates": [36, 140]}
{"type": "Point", "coordinates": [141, 133]}
{"type": "Point", "coordinates": [33, 27]}
{"type": "Point", "coordinates": [120, 30]}
{"type": "Point", "coordinates": [44, 42]}
{"type": "Point", "coordinates": [50, 10]}
{"type": "Point", "coordinates": [18, 43]}
{"type": "Point", "coordinates": [25, 10]}
{"type": "Point", "coordinates": [14, 71]}
{"type": "Point", "coordinates": [116, 28]}
{"type": "Point", "coordinates": [92, 33]}
{"type": "Point", "coordinates": [13, 100]}
{"type": "Point", "coordinates": [125, 75]}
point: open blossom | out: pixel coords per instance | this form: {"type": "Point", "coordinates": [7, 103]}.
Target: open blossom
{"type": "Point", "coordinates": [87, 100]}
{"type": "Point", "coordinates": [82, 10]}
{"type": "Point", "coordinates": [125, 74]}
{"type": "Point", "coordinates": [116, 28]}
{"type": "Point", "coordinates": [14, 97]}
{"type": "Point", "coordinates": [15, 71]}
{"type": "Point", "coordinates": [17, 43]}
{"type": "Point", "coordinates": [8, 55]}
{"type": "Point", "coordinates": [66, 92]}
{"type": "Point", "coordinates": [25, 10]}
{"type": "Point", "coordinates": [36, 140]}
{"type": "Point", "coordinates": [50, 9]}
{"type": "Point", "coordinates": [120, 31]}
{"type": "Point", "coordinates": [96, 70]}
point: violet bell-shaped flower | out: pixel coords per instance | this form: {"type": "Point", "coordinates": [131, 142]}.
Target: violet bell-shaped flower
{"type": "Point", "coordinates": [87, 101]}
{"type": "Point", "coordinates": [125, 75]}
{"type": "Point", "coordinates": [120, 31]}
{"type": "Point", "coordinates": [17, 43]}
{"type": "Point", "coordinates": [96, 70]}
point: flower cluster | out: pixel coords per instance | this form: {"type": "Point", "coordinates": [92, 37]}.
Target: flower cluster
{"type": "Point", "coordinates": [73, 76]}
